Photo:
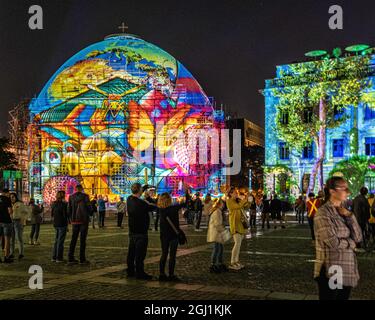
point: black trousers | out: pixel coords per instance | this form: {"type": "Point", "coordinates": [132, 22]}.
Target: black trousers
{"type": "Point", "coordinates": [81, 231]}
{"type": "Point", "coordinates": [253, 218]}
{"type": "Point", "coordinates": [120, 217]}
{"type": "Point", "coordinates": [35, 229]}
{"type": "Point", "coordinates": [325, 293]}
{"type": "Point", "coordinates": [137, 253]}
{"type": "Point", "coordinates": [168, 246]}
{"type": "Point", "coordinates": [311, 224]}
{"type": "Point", "coordinates": [156, 224]}
{"type": "Point", "coordinates": [101, 218]}
{"type": "Point", "coordinates": [199, 219]}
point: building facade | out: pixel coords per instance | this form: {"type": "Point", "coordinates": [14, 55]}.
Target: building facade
{"type": "Point", "coordinates": [288, 170]}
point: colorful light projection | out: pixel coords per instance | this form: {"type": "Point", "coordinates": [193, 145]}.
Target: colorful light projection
{"type": "Point", "coordinates": [102, 120]}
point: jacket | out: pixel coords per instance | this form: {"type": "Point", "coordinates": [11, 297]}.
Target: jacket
{"type": "Point", "coordinates": [336, 239]}
{"type": "Point", "coordinates": [138, 217]}
{"type": "Point", "coordinates": [235, 213]}
{"type": "Point", "coordinates": [361, 208]}
{"type": "Point", "coordinates": [166, 231]}
{"type": "Point", "coordinates": [79, 208]}
{"type": "Point", "coordinates": [59, 213]}
{"type": "Point", "coordinates": [207, 208]}
{"type": "Point", "coordinates": [216, 227]}
{"type": "Point", "coordinates": [36, 214]}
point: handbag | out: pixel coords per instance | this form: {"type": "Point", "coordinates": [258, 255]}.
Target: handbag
{"type": "Point", "coordinates": [180, 234]}
{"type": "Point", "coordinates": [244, 220]}
{"type": "Point", "coordinates": [226, 235]}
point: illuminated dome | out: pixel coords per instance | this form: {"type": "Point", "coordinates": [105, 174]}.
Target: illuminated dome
{"type": "Point", "coordinates": [101, 115]}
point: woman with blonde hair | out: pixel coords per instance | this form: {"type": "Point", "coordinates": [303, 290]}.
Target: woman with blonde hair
{"type": "Point", "coordinates": [236, 203]}
{"type": "Point", "coordinates": [169, 214]}
{"type": "Point", "coordinates": [215, 234]}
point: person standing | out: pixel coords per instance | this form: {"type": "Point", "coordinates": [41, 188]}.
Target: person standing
{"type": "Point", "coordinates": [35, 221]}
{"type": "Point", "coordinates": [312, 207]}
{"type": "Point", "coordinates": [169, 214]}
{"type": "Point", "coordinates": [102, 210]}
{"type": "Point", "coordinates": [20, 214]}
{"type": "Point", "coordinates": [275, 208]}
{"type": "Point", "coordinates": [265, 209]}
{"type": "Point", "coordinates": [121, 210]}
{"type": "Point", "coordinates": [235, 204]}
{"type": "Point", "coordinates": [207, 207]}
{"type": "Point", "coordinates": [94, 208]}
{"type": "Point", "coordinates": [198, 207]}
{"type": "Point", "coordinates": [371, 221]}
{"type": "Point", "coordinates": [361, 210]}
{"type": "Point", "coordinates": [79, 211]}
{"type": "Point", "coordinates": [300, 209]}
{"type": "Point", "coordinates": [253, 212]}
{"type": "Point", "coordinates": [59, 213]}
{"type": "Point", "coordinates": [149, 196]}
{"type": "Point", "coordinates": [337, 232]}
{"type": "Point", "coordinates": [6, 223]}
{"type": "Point", "coordinates": [139, 223]}
{"type": "Point", "coordinates": [215, 234]}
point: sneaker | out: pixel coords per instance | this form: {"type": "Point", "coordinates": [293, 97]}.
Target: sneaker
{"type": "Point", "coordinates": [199, 230]}
{"type": "Point", "coordinates": [240, 265]}
{"type": "Point", "coordinates": [214, 269]}
{"type": "Point", "coordinates": [21, 256]}
{"type": "Point", "coordinates": [53, 260]}
{"type": "Point", "coordinates": [85, 262]}
{"type": "Point", "coordinates": [31, 242]}
{"type": "Point", "coordinates": [359, 250]}
{"type": "Point", "coordinates": [233, 267]}
{"type": "Point", "coordinates": [163, 277]}
{"type": "Point", "coordinates": [60, 261]}
{"type": "Point", "coordinates": [223, 268]}
{"type": "Point", "coordinates": [144, 276]}
{"type": "Point", "coordinates": [72, 261]}
{"type": "Point", "coordinates": [174, 278]}
{"type": "Point", "coordinates": [37, 243]}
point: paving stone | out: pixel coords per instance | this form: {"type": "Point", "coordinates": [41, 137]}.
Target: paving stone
{"type": "Point", "coordinates": [251, 293]}
{"type": "Point", "coordinates": [286, 296]}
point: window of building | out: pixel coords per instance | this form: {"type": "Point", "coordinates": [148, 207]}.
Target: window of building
{"type": "Point", "coordinates": [369, 112]}
{"type": "Point", "coordinates": [370, 146]}
{"type": "Point", "coordinates": [283, 151]}
{"type": "Point", "coordinates": [307, 115]}
{"type": "Point", "coordinates": [284, 118]}
{"type": "Point", "coordinates": [338, 147]}
{"type": "Point", "coordinates": [308, 152]}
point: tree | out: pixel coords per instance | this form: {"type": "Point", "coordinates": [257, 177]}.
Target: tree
{"type": "Point", "coordinates": [324, 90]}
{"type": "Point", "coordinates": [354, 171]}
{"type": "Point", "coordinates": [8, 160]}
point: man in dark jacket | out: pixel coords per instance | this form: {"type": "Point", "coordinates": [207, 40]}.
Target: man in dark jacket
{"type": "Point", "coordinates": [361, 210]}
{"type": "Point", "coordinates": [139, 222]}
{"type": "Point", "coordinates": [79, 211]}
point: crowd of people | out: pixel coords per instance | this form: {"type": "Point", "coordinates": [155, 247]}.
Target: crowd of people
{"type": "Point", "coordinates": [340, 227]}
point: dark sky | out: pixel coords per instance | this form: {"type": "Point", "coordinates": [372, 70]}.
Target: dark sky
{"type": "Point", "coordinates": [230, 47]}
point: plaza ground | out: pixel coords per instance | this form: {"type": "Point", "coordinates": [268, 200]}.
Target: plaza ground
{"type": "Point", "coordinates": [278, 265]}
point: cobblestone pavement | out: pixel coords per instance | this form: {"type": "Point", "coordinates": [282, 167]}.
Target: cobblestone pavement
{"type": "Point", "coordinates": [278, 265]}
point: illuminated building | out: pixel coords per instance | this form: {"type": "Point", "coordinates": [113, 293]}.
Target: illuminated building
{"type": "Point", "coordinates": [118, 112]}
{"type": "Point", "coordinates": [336, 90]}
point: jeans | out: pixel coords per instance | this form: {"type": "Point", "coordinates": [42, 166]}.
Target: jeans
{"type": "Point", "coordinates": [237, 237]}
{"type": "Point", "coordinates": [35, 228]}
{"type": "Point", "coordinates": [253, 218]}
{"type": "Point", "coordinates": [17, 234]}
{"type": "Point", "coordinates": [78, 230]}
{"type": "Point", "coordinates": [58, 248]}
{"type": "Point", "coordinates": [137, 253]}
{"type": "Point", "coordinates": [326, 293]}
{"type": "Point", "coordinates": [311, 224]}
{"type": "Point", "coordinates": [101, 218]}
{"type": "Point", "coordinates": [168, 245]}
{"type": "Point", "coordinates": [217, 254]}
{"type": "Point", "coordinates": [301, 216]}
{"type": "Point", "coordinates": [120, 217]}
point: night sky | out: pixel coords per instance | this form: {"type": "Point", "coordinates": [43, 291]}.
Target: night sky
{"type": "Point", "coordinates": [230, 47]}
